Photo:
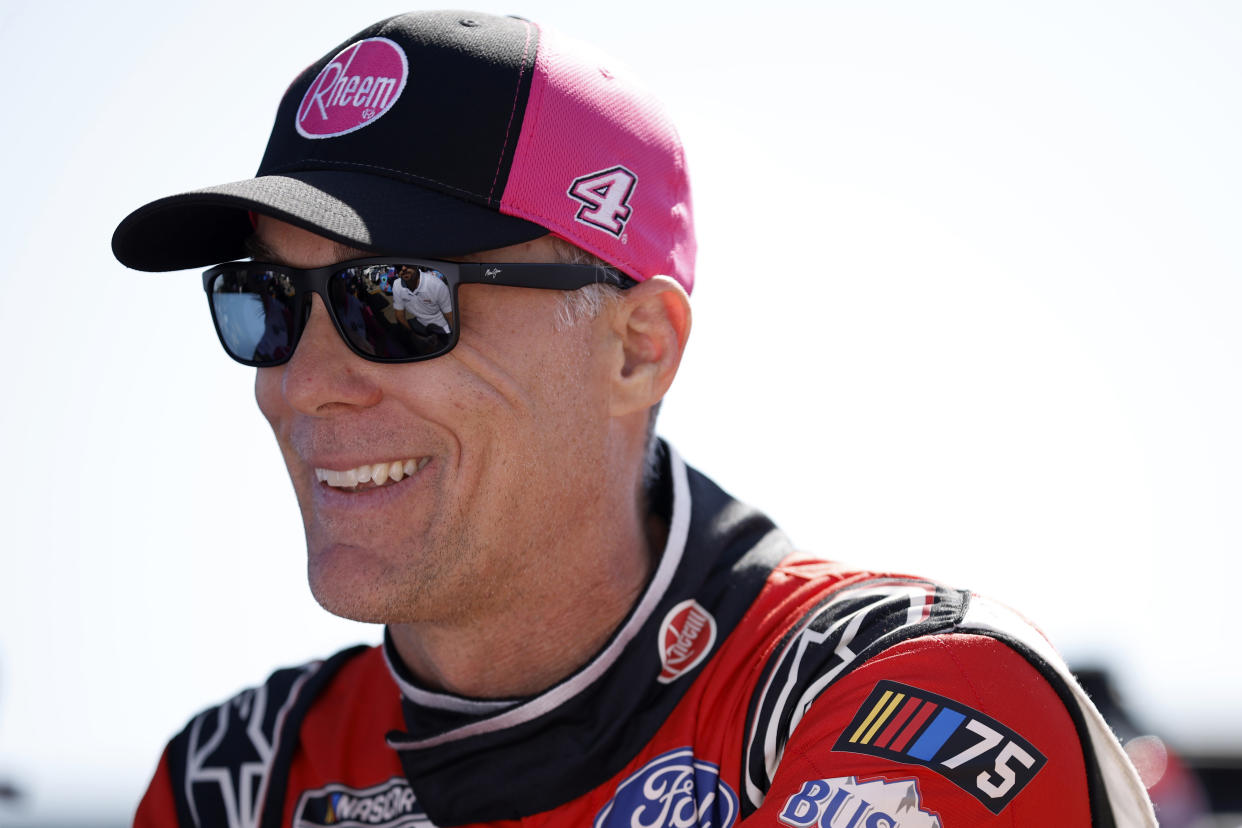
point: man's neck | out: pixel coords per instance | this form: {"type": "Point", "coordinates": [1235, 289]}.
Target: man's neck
{"type": "Point", "coordinates": [541, 636]}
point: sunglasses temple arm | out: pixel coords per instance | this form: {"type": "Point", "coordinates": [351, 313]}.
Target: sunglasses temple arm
{"type": "Point", "coordinates": [550, 276]}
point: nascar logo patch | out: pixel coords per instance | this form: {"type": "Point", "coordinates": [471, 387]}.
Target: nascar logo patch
{"type": "Point", "coordinates": [980, 755]}
{"type": "Point", "coordinates": [387, 805]}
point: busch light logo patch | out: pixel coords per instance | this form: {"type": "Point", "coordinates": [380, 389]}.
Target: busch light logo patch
{"type": "Point", "coordinates": [686, 637]}
{"type": "Point", "coordinates": [845, 802]}
{"type": "Point", "coordinates": [356, 87]}
{"type": "Point", "coordinates": [673, 790]}
{"type": "Point", "coordinates": [389, 805]}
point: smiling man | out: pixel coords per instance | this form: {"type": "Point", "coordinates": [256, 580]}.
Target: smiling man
{"type": "Point", "coordinates": [579, 629]}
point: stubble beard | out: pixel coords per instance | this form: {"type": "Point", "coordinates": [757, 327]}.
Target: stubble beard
{"type": "Point", "coordinates": [420, 577]}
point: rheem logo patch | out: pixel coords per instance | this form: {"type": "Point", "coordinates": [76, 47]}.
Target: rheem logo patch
{"type": "Point", "coordinates": [686, 637]}
{"type": "Point", "coordinates": [605, 197]}
{"type": "Point", "coordinates": [357, 86]}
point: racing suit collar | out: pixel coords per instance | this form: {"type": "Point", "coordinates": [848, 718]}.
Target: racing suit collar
{"type": "Point", "coordinates": [469, 760]}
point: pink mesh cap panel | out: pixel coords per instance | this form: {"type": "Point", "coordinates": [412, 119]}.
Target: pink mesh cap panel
{"type": "Point", "coordinates": [600, 164]}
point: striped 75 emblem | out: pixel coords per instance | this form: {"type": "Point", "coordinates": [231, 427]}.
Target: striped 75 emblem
{"type": "Point", "coordinates": [977, 753]}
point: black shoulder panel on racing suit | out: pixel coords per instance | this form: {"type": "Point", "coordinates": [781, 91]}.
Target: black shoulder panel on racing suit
{"type": "Point", "coordinates": [841, 633]}
{"type": "Point", "coordinates": [232, 757]}
{"type": "Point", "coordinates": [851, 625]}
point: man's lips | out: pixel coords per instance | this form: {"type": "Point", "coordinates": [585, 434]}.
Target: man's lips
{"type": "Point", "coordinates": [371, 475]}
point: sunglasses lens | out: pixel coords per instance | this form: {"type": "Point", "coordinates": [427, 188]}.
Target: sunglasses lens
{"type": "Point", "coordinates": [394, 311]}
{"type": "Point", "coordinates": [254, 313]}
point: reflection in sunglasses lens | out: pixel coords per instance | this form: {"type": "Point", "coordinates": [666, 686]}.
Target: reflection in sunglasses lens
{"type": "Point", "coordinates": [392, 311]}
{"type": "Point", "coordinates": [350, 293]}
{"type": "Point", "coordinates": [388, 311]}
{"type": "Point", "coordinates": [254, 314]}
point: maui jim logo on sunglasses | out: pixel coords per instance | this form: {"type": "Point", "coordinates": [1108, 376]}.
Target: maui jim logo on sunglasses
{"type": "Point", "coordinates": [356, 87]}
{"type": "Point", "coordinates": [386, 310]}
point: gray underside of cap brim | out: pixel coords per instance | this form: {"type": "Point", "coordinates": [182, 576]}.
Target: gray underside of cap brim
{"type": "Point", "coordinates": [375, 214]}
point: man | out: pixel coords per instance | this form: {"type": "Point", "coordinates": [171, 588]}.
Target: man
{"type": "Point", "coordinates": [427, 302]}
{"type": "Point", "coordinates": [580, 630]}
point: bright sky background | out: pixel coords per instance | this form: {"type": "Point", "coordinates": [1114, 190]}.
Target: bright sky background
{"type": "Point", "coordinates": [968, 306]}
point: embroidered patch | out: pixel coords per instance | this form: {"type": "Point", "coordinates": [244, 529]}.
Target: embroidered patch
{"type": "Point", "coordinates": [844, 801]}
{"type": "Point", "coordinates": [673, 790]}
{"type": "Point", "coordinates": [356, 87]}
{"type": "Point", "coordinates": [387, 805]}
{"type": "Point", "coordinates": [605, 198]}
{"type": "Point", "coordinates": [975, 752]}
{"type": "Point", "coordinates": [686, 637]}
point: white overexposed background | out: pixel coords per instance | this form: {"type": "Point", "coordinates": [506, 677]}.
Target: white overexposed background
{"type": "Point", "coordinates": [968, 306]}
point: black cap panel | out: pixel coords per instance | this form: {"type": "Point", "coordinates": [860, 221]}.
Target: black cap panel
{"type": "Point", "coordinates": [454, 124]}
{"type": "Point", "coordinates": [432, 99]}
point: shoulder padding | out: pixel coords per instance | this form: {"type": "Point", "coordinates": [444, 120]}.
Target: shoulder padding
{"type": "Point", "coordinates": [224, 762]}
{"type": "Point", "coordinates": [849, 626]}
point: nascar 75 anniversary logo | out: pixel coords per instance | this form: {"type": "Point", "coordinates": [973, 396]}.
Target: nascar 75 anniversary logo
{"type": "Point", "coordinates": [973, 751]}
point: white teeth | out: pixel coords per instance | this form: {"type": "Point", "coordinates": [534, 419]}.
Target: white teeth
{"type": "Point", "coordinates": [338, 478]}
{"type": "Point", "coordinates": [378, 473]}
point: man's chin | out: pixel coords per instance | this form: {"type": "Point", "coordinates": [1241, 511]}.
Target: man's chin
{"type": "Point", "coordinates": [351, 607]}
{"type": "Point", "coordinates": [348, 584]}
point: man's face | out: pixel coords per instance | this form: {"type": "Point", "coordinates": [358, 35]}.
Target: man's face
{"type": "Point", "coordinates": [507, 435]}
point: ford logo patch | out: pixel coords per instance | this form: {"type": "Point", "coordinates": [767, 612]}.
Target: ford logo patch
{"type": "Point", "coordinates": [673, 790]}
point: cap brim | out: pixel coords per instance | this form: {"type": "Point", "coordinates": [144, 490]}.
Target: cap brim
{"type": "Point", "coordinates": [375, 214]}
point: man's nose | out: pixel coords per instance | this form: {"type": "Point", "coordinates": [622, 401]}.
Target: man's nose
{"type": "Point", "coordinates": [324, 376]}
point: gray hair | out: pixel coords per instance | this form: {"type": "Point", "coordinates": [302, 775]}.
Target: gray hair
{"type": "Point", "coordinates": [590, 301]}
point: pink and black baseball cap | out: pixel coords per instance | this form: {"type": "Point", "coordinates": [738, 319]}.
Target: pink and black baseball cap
{"type": "Point", "coordinates": [437, 134]}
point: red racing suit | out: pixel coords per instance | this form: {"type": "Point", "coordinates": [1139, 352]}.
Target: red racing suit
{"type": "Point", "coordinates": [750, 685]}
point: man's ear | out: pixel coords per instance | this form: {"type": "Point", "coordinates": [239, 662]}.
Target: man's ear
{"type": "Point", "coordinates": [652, 324]}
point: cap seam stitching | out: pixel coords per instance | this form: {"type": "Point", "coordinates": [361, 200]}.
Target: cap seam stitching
{"type": "Point", "coordinates": [517, 93]}
{"type": "Point", "coordinates": [534, 108]}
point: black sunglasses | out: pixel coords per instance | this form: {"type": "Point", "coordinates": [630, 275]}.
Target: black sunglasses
{"type": "Point", "coordinates": [386, 309]}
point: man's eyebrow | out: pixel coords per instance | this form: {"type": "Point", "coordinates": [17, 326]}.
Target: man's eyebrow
{"type": "Point", "coordinates": [344, 251]}
{"type": "Point", "coordinates": [260, 252]}
{"type": "Point", "coordinates": [257, 250]}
